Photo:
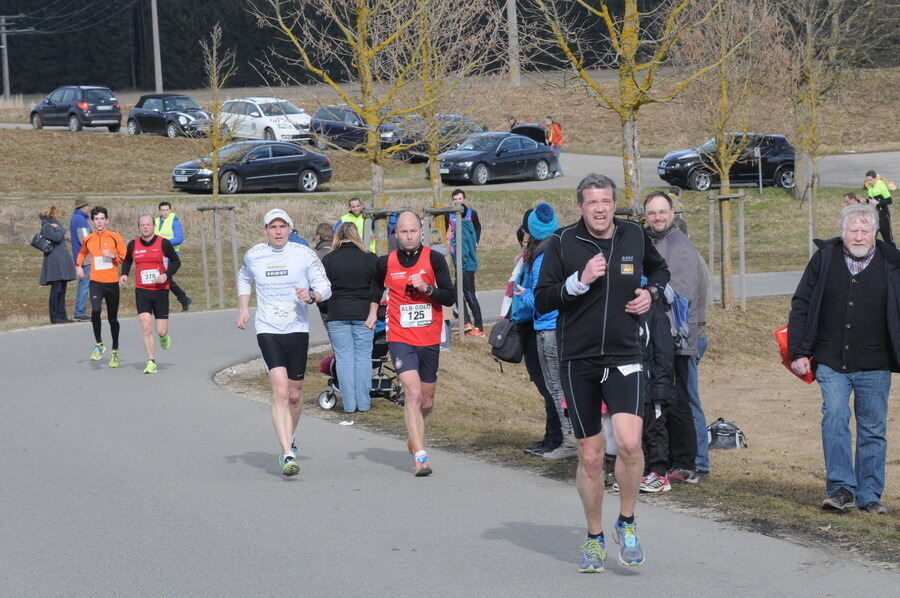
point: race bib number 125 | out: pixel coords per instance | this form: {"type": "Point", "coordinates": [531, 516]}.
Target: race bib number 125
{"type": "Point", "coordinates": [415, 315]}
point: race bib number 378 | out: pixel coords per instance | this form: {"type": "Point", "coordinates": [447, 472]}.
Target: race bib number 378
{"type": "Point", "coordinates": [415, 315]}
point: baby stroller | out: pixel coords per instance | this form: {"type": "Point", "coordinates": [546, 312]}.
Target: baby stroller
{"type": "Point", "coordinates": [385, 382]}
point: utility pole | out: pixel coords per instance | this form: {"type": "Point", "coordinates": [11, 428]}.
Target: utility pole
{"type": "Point", "coordinates": [3, 45]}
{"type": "Point", "coordinates": [512, 32]}
{"type": "Point", "coordinates": [157, 63]}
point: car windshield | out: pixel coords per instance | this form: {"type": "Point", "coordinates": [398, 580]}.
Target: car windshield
{"type": "Point", "coordinates": [98, 95]}
{"type": "Point", "coordinates": [182, 103]}
{"type": "Point", "coordinates": [279, 108]}
{"type": "Point", "coordinates": [479, 143]}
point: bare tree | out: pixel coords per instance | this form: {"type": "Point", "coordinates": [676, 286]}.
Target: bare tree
{"type": "Point", "coordinates": [825, 39]}
{"type": "Point", "coordinates": [219, 67]}
{"type": "Point", "coordinates": [637, 47]}
{"type": "Point", "coordinates": [740, 95]}
{"type": "Point", "coordinates": [356, 48]}
{"type": "Point", "coordinates": [451, 43]}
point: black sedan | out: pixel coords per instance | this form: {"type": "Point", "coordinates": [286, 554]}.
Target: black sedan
{"type": "Point", "coordinates": [167, 114]}
{"type": "Point", "coordinates": [246, 165]}
{"type": "Point", "coordinates": [773, 155]}
{"type": "Point", "coordinates": [484, 157]}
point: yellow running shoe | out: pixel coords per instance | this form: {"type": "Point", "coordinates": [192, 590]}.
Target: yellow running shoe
{"type": "Point", "coordinates": [165, 341]}
{"type": "Point", "coordinates": [150, 368]}
{"type": "Point", "coordinates": [97, 352]}
{"type": "Point", "coordinates": [114, 359]}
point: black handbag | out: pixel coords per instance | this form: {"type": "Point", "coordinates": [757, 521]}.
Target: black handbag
{"type": "Point", "coordinates": [42, 243]}
{"type": "Point", "coordinates": [506, 345]}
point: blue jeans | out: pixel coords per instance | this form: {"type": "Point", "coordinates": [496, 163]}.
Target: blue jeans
{"type": "Point", "coordinates": [352, 344]}
{"type": "Point", "coordinates": [693, 388]}
{"type": "Point", "coordinates": [81, 295]}
{"type": "Point", "coordinates": [557, 151]}
{"type": "Point", "coordinates": [863, 477]}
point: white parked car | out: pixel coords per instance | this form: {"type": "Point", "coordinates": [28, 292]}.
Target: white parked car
{"type": "Point", "coordinates": [266, 118]}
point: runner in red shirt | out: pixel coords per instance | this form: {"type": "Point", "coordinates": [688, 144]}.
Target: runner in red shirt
{"type": "Point", "coordinates": [418, 286]}
{"type": "Point", "coordinates": [155, 261]}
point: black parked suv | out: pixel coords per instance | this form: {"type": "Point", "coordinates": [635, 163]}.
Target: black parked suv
{"type": "Point", "coordinates": [167, 114]}
{"type": "Point", "coordinates": [692, 169]}
{"type": "Point", "coordinates": [343, 127]}
{"type": "Point", "coordinates": [77, 106]}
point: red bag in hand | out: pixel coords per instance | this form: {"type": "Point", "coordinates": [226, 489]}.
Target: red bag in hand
{"type": "Point", "coordinates": [781, 337]}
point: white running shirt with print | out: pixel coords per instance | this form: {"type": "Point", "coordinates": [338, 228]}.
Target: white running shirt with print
{"type": "Point", "coordinates": [277, 274]}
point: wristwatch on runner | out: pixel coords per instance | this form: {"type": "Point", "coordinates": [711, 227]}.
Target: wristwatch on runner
{"type": "Point", "coordinates": [653, 290]}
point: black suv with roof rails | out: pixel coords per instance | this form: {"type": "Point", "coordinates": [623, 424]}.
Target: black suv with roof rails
{"type": "Point", "coordinates": [78, 106]}
{"type": "Point", "coordinates": [693, 169]}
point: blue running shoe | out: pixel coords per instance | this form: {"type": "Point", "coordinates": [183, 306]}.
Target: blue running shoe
{"type": "Point", "coordinates": [630, 553]}
{"type": "Point", "coordinates": [593, 556]}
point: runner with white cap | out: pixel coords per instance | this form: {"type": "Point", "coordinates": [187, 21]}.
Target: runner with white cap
{"type": "Point", "coordinates": [289, 278]}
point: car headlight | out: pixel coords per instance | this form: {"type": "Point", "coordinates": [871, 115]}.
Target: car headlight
{"type": "Point", "coordinates": [205, 172]}
{"type": "Point", "coordinates": [466, 164]}
{"type": "Point", "coordinates": [183, 119]}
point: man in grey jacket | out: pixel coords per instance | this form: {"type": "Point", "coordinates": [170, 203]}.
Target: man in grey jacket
{"type": "Point", "coordinates": [689, 278]}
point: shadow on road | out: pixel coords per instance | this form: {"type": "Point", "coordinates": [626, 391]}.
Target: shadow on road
{"type": "Point", "coordinates": [559, 542]}
{"type": "Point", "coordinates": [399, 460]}
{"type": "Point", "coordinates": [263, 461]}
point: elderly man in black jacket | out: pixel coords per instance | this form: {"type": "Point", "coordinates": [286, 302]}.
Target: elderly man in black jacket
{"type": "Point", "coordinates": [845, 319]}
{"type": "Point", "coordinates": [592, 274]}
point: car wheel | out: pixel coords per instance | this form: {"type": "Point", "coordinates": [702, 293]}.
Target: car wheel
{"type": "Point", "coordinates": [541, 171]}
{"type": "Point", "coordinates": [308, 181]}
{"type": "Point", "coordinates": [132, 127]}
{"type": "Point", "coordinates": [36, 121]}
{"type": "Point", "coordinates": [114, 128]}
{"type": "Point", "coordinates": [173, 130]}
{"type": "Point", "coordinates": [269, 135]}
{"type": "Point", "coordinates": [700, 180]}
{"type": "Point", "coordinates": [480, 174]}
{"type": "Point", "coordinates": [74, 123]}
{"type": "Point", "coordinates": [784, 177]}
{"type": "Point", "coordinates": [403, 156]}
{"type": "Point", "coordinates": [229, 183]}
{"type": "Point", "coordinates": [320, 143]}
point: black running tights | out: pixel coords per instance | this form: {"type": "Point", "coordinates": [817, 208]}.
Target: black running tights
{"type": "Point", "coordinates": [109, 292]}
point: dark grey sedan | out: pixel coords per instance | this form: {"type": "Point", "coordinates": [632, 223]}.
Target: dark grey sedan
{"type": "Point", "coordinates": [485, 157]}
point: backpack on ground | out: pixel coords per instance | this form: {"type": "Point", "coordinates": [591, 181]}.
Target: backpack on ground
{"type": "Point", "coordinates": [723, 434]}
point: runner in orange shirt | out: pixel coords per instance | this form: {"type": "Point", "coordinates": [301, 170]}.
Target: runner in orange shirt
{"type": "Point", "coordinates": [107, 250]}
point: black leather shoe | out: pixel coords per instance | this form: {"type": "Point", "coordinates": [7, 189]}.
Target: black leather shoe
{"type": "Point", "coordinates": [186, 304]}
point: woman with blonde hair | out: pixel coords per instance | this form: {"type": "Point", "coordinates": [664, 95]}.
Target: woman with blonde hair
{"type": "Point", "coordinates": [351, 312]}
{"type": "Point", "coordinates": [58, 268]}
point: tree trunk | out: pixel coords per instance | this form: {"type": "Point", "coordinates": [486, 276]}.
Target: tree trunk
{"type": "Point", "coordinates": [378, 200]}
{"type": "Point", "coordinates": [631, 161]}
{"type": "Point", "coordinates": [727, 290]}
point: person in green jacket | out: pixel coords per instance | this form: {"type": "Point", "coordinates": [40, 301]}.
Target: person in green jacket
{"type": "Point", "coordinates": [168, 226]}
{"type": "Point", "coordinates": [879, 193]}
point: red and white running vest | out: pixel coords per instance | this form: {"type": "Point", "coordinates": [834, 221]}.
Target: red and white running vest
{"type": "Point", "coordinates": [413, 317]}
{"type": "Point", "coordinates": [149, 262]}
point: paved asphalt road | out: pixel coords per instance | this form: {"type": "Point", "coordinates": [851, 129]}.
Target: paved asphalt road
{"type": "Point", "coordinates": [844, 170]}
{"type": "Point", "coordinates": [119, 484]}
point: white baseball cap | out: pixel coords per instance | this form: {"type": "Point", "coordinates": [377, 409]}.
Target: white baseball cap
{"type": "Point", "coordinates": [277, 214]}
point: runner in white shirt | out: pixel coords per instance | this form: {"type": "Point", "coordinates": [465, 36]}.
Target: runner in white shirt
{"type": "Point", "coordinates": [289, 277]}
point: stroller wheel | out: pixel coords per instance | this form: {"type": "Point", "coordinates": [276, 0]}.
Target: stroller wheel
{"type": "Point", "coordinates": [327, 399]}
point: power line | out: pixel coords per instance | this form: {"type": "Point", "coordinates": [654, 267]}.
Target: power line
{"type": "Point", "coordinates": [44, 9]}
{"type": "Point", "coordinates": [92, 23]}
{"type": "Point", "coordinates": [61, 15]}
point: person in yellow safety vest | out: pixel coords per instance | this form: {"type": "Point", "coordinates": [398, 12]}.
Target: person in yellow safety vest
{"type": "Point", "coordinates": [168, 226]}
{"type": "Point", "coordinates": [879, 192]}
{"type": "Point", "coordinates": [355, 216]}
